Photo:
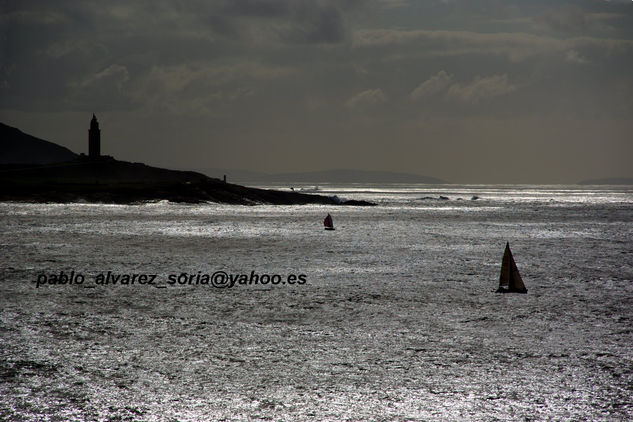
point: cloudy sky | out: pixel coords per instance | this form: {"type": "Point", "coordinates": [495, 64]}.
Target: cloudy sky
{"type": "Point", "coordinates": [472, 91]}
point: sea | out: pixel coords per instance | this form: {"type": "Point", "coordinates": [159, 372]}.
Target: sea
{"type": "Point", "coordinates": [174, 312]}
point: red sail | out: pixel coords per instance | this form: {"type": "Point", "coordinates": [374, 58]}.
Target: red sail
{"type": "Point", "coordinates": [328, 221]}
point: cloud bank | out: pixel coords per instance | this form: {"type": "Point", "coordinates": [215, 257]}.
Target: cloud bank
{"type": "Point", "coordinates": [232, 83]}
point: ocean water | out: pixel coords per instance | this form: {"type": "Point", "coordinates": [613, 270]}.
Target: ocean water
{"type": "Point", "coordinates": [392, 316]}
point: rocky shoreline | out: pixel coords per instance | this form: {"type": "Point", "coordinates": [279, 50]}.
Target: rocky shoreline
{"type": "Point", "coordinates": [112, 181]}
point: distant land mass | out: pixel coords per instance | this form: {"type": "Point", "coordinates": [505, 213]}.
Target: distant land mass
{"type": "Point", "coordinates": [319, 177]}
{"type": "Point", "coordinates": [18, 147]}
{"type": "Point", "coordinates": [35, 170]}
{"type": "Point", "coordinates": [608, 181]}
{"type": "Point", "coordinates": [113, 181]}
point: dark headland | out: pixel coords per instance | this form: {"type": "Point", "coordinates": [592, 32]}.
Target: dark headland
{"type": "Point", "coordinates": [95, 178]}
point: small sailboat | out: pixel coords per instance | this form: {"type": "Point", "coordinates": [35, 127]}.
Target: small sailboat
{"type": "Point", "coordinates": [329, 225]}
{"type": "Point", "coordinates": [510, 280]}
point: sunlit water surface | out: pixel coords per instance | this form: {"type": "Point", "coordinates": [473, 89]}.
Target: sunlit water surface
{"type": "Point", "coordinates": [397, 319]}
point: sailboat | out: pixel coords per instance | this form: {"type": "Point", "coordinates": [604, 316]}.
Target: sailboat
{"type": "Point", "coordinates": [329, 225]}
{"type": "Point", "coordinates": [510, 280]}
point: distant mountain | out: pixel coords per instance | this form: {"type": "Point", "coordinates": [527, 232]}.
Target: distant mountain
{"type": "Point", "coordinates": [608, 181]}
{"type": "Point", "coordinates": [17, 147]}
{"type": "Point", "coordinates": [317, 177]}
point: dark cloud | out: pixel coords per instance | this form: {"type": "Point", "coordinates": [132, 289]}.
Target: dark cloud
{"type": "Point", "coordinates": [265, 76]}
{"type": "Point", "coordinates": [325, 26]}
{"type": "Point", "coordinates": [299, 21]}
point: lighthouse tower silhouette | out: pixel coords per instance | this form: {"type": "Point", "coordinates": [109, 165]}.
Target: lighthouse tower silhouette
{"type": "Point", "coordinates": [94, 138]}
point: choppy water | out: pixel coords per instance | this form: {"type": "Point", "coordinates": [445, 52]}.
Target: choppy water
{"type": "Point", "coordinates": [397, 319]}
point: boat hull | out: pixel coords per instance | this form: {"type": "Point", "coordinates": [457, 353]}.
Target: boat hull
{"type": "Point", "coordinates": [503, 290]}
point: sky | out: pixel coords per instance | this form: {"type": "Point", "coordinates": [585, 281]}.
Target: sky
{"type": "Point", "coordinates": [476, 91]}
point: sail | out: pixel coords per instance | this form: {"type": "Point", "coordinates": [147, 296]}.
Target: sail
{"type": "Point", "coordinates": [506, 267]}
{"type": "Point", "coordinates": [328, 222]}
{"type": "Point", "coordinates": [510, 280]}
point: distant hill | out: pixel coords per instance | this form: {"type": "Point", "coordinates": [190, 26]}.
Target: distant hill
{"type": "Point", "coordinates": [18, 147]}
{"type": "Point", "coordinates": [317, 177]}
{"type": "Point", "coordinates": [608, 181]}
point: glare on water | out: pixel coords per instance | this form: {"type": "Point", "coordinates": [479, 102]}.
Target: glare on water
{"type": "Point", "coordinates": [397, 318]}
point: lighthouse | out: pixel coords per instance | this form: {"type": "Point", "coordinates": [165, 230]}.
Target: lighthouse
{"type": "Point", "coordinates": [94, 138]}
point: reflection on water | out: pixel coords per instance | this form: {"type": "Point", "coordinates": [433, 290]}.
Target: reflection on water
{"type": "Point", "coordinates": [397, 319]}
